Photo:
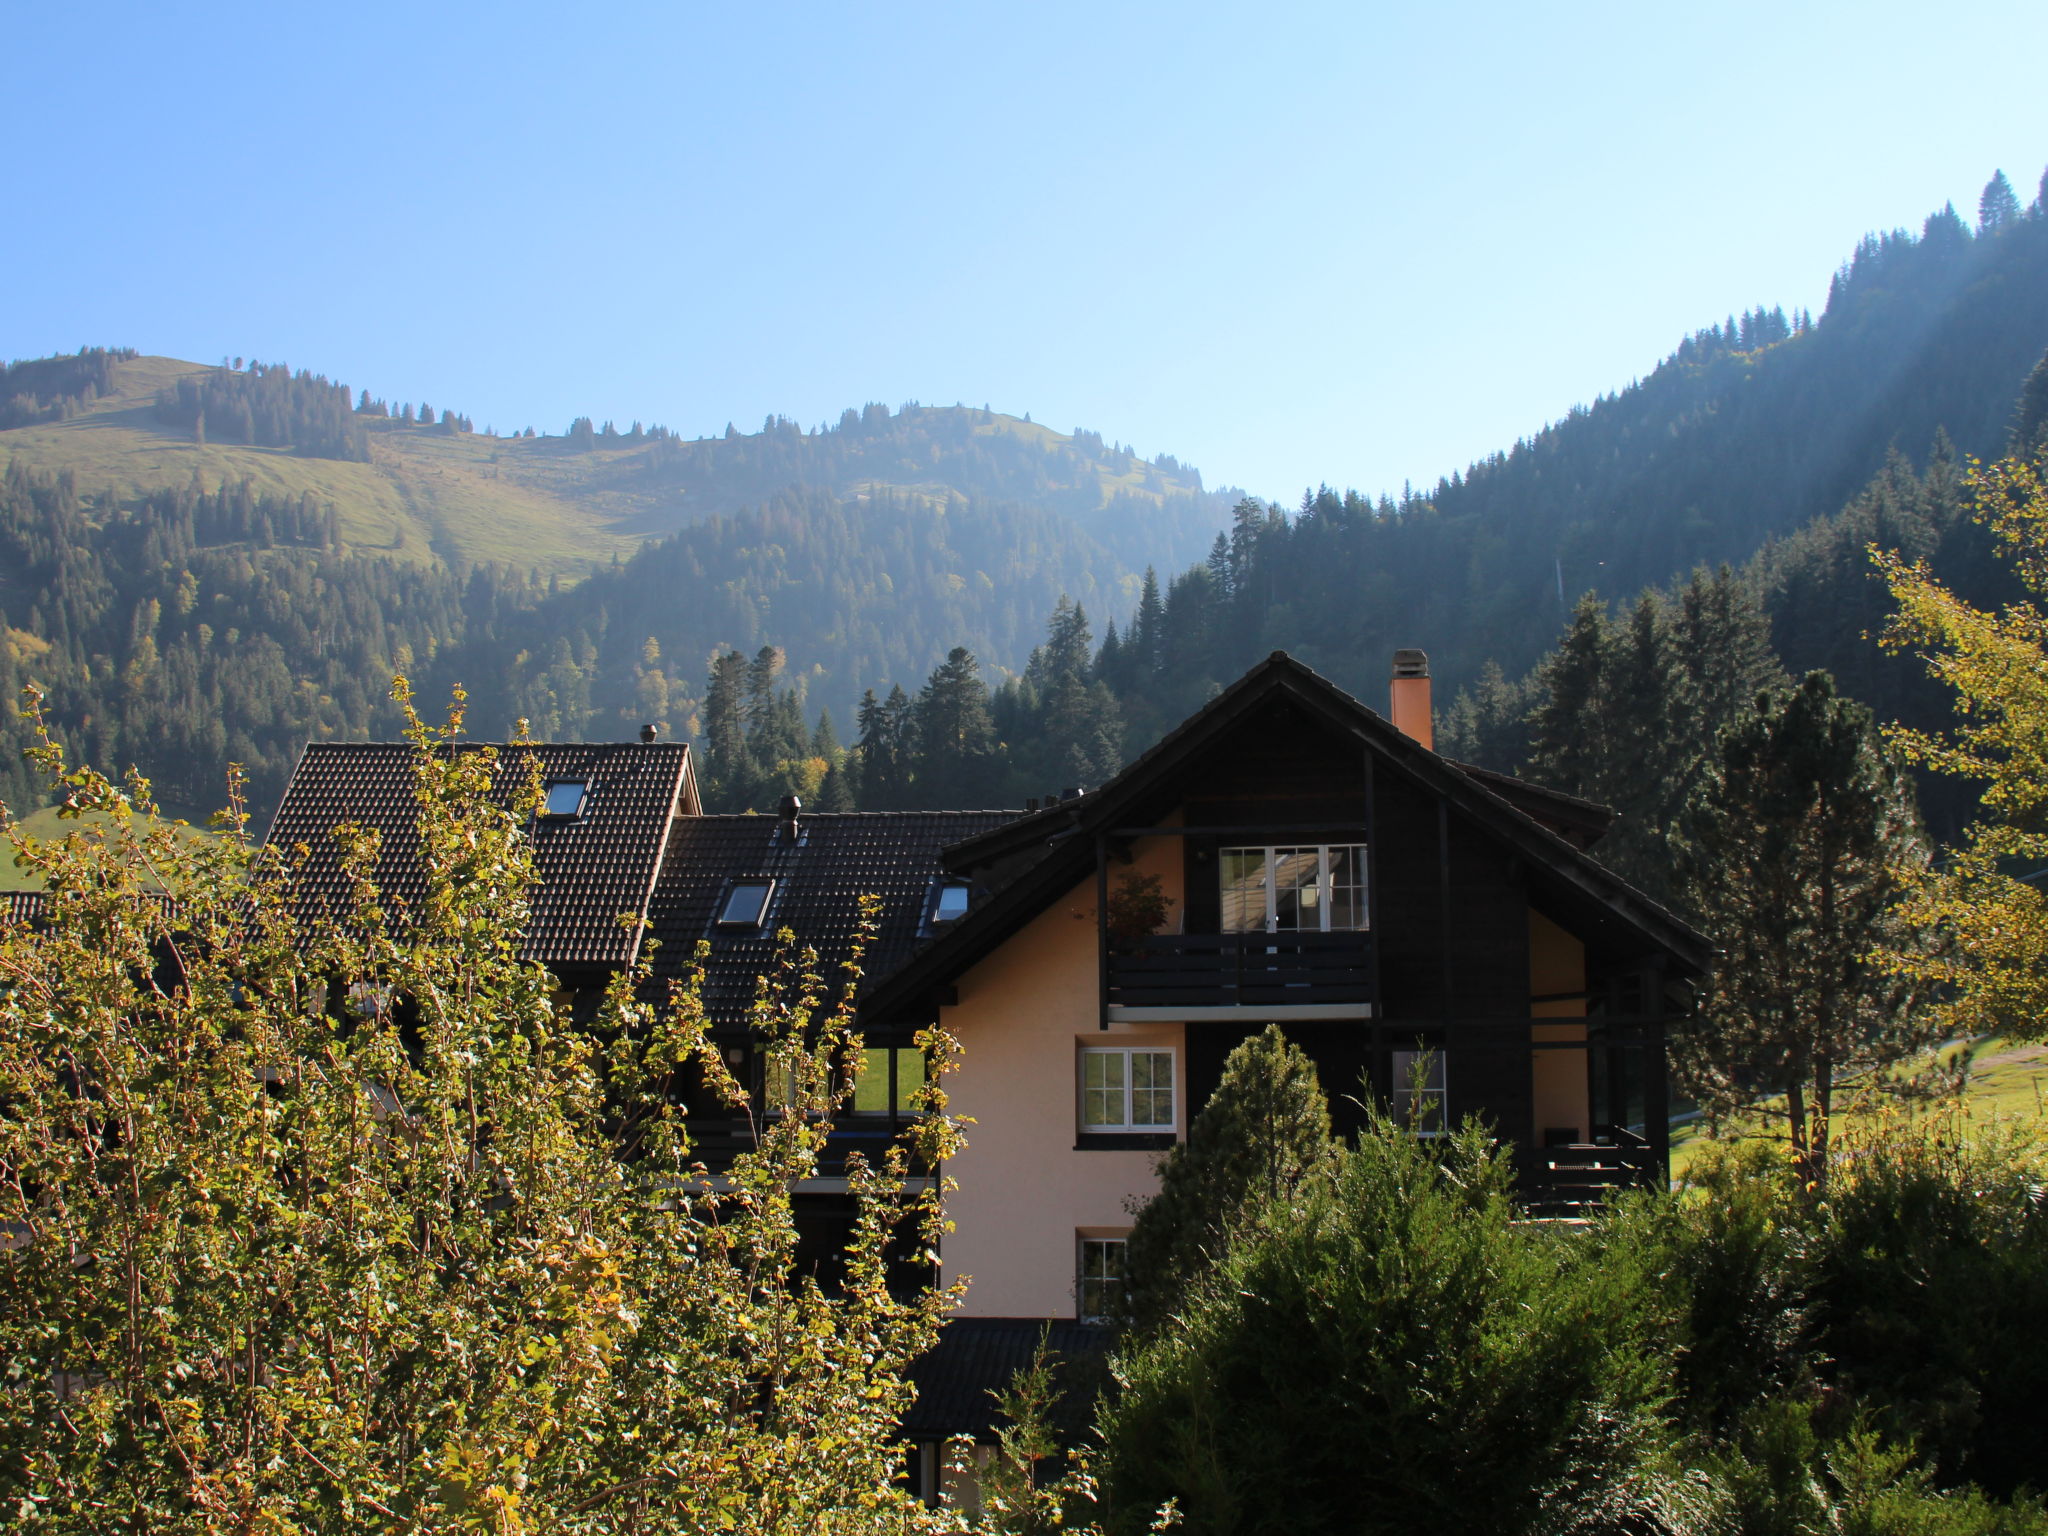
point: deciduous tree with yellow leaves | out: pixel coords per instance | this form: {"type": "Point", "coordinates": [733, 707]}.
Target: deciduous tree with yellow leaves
{"type": "Point", "coordinates": [1992, 975]}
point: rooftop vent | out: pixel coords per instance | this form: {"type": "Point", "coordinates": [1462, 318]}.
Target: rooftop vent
{"type": "Point", "coordinates": [648, 732]}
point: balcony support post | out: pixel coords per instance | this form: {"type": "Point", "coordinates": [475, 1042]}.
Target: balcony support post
{"type": "Point", "coordinates": [1102, 931]}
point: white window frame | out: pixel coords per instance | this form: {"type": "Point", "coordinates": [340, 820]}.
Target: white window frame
{"type": "Point", "coordinates": [548, 809]}
{"type": "Point", "coordinates": [1325, 888]}
{"type": "Point", "coordinates": [1128, 1089]}
{"type": "Point", "coordinates": [725, 919]}
{"type": "Point", "coordinates": [1082, 1279]}
{"type": "Point", "coordinates": [934, 920]}
{"type": "Point", "coordinates": [1426, 1115]}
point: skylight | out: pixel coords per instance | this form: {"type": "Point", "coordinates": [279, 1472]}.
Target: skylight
{"type": "Point", "coordinates": [565, 797]}
{"type": "Point", "coordinates": [746, 904]}
{"type": "Point", "coordinates": [947, 903]}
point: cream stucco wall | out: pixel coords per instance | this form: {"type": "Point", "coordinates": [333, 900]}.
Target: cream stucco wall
{"type": "Point", "coordinates": [1025, 1193]}
{"type": "Point", "coordinates": [1557, 963]}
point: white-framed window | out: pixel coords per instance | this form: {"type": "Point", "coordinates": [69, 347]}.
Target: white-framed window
{"type": "Point", "coordinates": [1127, 1088]}
{"type": "Point", "coordinates": [947, 903]}
{"type": "Point", "coordinates": [890, 1076]}
{"type": "Point", "coordinates": [1301, 889]}
{"type": "Point", "coordinates": [565, 797]}
{"type": "Point", "coordinates": [1099, 1279]}
{"type": "Point", "coordinates": [1418, 1090]}
{"type": "Point", "coordinates": [745, 904]}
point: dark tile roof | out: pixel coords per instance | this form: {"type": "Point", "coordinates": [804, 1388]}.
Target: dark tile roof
{"type": "Point", "coordinates": [22, 906]}
{"type": "Point", "coordinates": [34, 906]}
{"type": "Point", "coordinates": [1627, 914]}
{"type": "Point", "coordinates": [977, 1356]}
{"type": "Point", "coordinates": [592, 867]}
{"type": "Point", "coordinates": [835, 860]}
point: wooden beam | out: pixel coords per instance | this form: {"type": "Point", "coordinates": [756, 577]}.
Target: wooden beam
{"type": "Point", "coordinates": [1101, 931]}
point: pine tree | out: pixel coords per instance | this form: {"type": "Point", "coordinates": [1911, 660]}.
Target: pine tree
{"type": "Point", "coordinates": [886, 747]}
{"type": "Point", "coordinates": [730, 773]}
{"type": "Point", "coordinates": [1998, 207]}
{"type": "Point", "coordinates": [825, 739]}
{"type": "Point", "coordinates": [1264, 1133]}
{"type": "Point", "coordinates": [2029, 436]}
{"type": "Point", "coordinates": [956, 736]}
{"type": "Point", "coordinates": [1566, 747]}
{"type": "Point", "coordinates": [1488, 724]}
{"type": "Point", "coordinates": [1793, 852]}
{"type": "Point", "coordinates": [1148, 629]}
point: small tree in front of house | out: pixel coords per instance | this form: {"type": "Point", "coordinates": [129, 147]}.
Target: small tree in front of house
{"type": "Point", "coordinates": [1262, 1139]}
{"type": "Point", "coordinates": [1401, 1353]}
{"type": "Point", "coordinates": [342, 1226]}
{"type": "Point", "coordinates": [1793, 852]}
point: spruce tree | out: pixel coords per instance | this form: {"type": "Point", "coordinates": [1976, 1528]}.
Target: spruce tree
{"type": "Point", "coordinates": [729, 774]}
{"type": "Point", "coordinates": [1793, 853]}
{"type": "Point", "coordinates": [1998, 206]}
{"type": "Point", "coordinates": [2029, 436]}
{"type": "Point", "coordinates": [1263, 1135]}
{"type": "Point", "coordinates": [1565, 742]}
{"type": "Point", "coordinates": [956, 735]}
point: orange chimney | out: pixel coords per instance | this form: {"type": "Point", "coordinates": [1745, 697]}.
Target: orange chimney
{"type": "Point", "coordinates": [1409, 697]}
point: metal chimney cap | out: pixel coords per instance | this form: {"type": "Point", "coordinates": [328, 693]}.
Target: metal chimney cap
{"type": "Point", "coordinates": [1411, 663]}
{"type": "Point", "coordinates": [648, 732]}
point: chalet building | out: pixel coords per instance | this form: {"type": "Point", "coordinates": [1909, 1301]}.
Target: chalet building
{"type": "Point", "coordinates": [1435, 936]}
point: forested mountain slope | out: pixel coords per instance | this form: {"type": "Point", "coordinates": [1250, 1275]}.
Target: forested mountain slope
{"type": "Point", "coordinates": [205, 563]}
{"type": "Point", "coordinates": [1749, 430]}
{"type": "Point", "coordinates": [424, 484]}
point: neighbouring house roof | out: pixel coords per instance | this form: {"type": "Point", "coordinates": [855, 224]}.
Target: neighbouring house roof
{"type": "Point", "coordinates": [23, 906]}
{"type": "Point", "coordinates": [1623, 916]}
{"type": "Point", "coordinates": [35, 906]}
{"type": "Point", "coordinates": [834, 860]}
{"type": "Point", "coordinates": [976, 1357]}
{"type": "Point", "coordinates": [593, 866]}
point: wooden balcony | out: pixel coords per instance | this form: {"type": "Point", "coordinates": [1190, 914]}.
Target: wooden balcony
{"type": "Point", "coordinates": [1197, 976]}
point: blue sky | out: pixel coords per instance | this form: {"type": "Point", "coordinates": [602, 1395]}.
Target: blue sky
{"type": "Point", "coordinates": [1288, 242]}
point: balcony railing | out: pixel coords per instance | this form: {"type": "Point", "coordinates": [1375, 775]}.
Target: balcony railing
{"type": "Point", "coordinates": [1328, 971]}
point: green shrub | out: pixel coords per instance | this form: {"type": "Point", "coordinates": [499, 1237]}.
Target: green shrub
{"type": "Point", "coordinates": [1929, 1289]}
{"type": "Point", "coordinates": [1404, 1355]}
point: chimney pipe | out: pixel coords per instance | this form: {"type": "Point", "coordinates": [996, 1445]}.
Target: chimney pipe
{"type": "Point", "coordinates": [791, 808]}
{"type": "Point", "coordinates": [647, 734]}
{"type": "Point", "coordinates": [1409, 697]}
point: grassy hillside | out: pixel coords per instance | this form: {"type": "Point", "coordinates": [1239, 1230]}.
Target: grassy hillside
{"type": "Point", "coordinates": [2004, 1081]}
{"type": "Point", "coordinates": [46, 825]}
{"type": "Point", "coordinates": [564, 507]}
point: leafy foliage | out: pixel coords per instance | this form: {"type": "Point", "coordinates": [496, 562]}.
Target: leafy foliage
{"type": "Point", "coordinates": [344, 1227]}
{"type": "Point", "coordinates": [1996, 664]}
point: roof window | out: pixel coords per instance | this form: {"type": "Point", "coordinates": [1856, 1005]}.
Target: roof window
{"type": "Point", "coordinates": [565, 797]}
{"type": "Point", "coordinates": [947, 903]}
{"type": "Point", "coordinates": [745, 904]}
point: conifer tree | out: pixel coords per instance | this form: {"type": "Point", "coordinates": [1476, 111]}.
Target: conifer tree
{"type": "Point", "coordinates": [1793, 853]}
{"type": "Point", "coordinates": [956, 735]}
{"type": "Point", "coordinates": [1565, 747]}
{"type": "Point", "coordinates": [730, 772]}
{"type": "Point", "coordinates": [2029, 436]}
{"type": "Point", "coordinates": [1997, 207]}
{"type": "Point", "coordinates": [1263, 1135]}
